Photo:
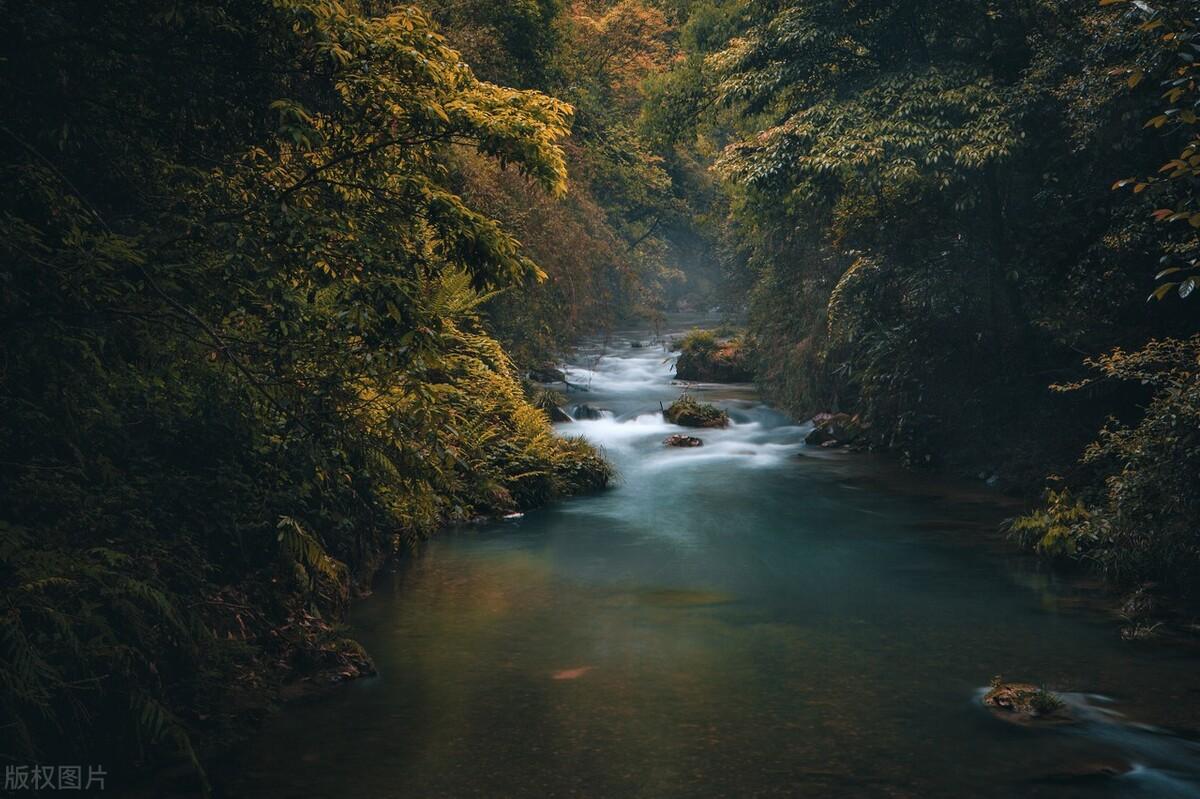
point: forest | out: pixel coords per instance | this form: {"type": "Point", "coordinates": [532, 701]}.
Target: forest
{"type": "Point", "coordinates": [287, 288]}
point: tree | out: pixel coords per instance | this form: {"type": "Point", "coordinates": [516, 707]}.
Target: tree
{"type": "Point", "coordinates": [1172, 55]}
{"type": "Point", "coordinates": [242, 345]}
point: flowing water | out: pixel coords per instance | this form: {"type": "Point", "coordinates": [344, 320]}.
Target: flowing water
{"type": "Point", "coordinates": [748, 618]}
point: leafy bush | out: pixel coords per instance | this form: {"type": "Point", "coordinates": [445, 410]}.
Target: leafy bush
{"type": "Point", "coordinates": [1063, 525]}
{"type": "Point", "coordinates": [1137, 520]}
{"type": "Point", "coordinates": [697, 342]}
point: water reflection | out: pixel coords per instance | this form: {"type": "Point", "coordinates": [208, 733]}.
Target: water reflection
{"type": "Point", "coordinates": [734, 620]}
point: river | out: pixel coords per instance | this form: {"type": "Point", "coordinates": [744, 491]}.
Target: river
{"type": "Point", "coordinates": [751, 618]}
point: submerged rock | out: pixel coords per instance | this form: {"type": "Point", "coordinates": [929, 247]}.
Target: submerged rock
{"type": "Point", "coordinates": [1022, 703]}
{"type": "Point", "coordinates": [683, 441]}
{"type": "Point", "coordinates": [687, 412]}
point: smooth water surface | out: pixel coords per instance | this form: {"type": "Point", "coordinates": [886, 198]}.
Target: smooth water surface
{"type": "Point", "coordinates": [750, 618]}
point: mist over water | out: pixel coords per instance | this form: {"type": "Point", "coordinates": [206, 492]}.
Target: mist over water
{"type": "Point", "coordinates": [748, 618]}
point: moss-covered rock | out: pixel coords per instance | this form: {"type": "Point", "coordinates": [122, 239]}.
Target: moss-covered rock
{"type": "Point", "coordinates": [589, 412]}
{"type": "Point", "coordinates": [833, 430]}
{"type": "Point", "coordinates": [1023, 703]}
{"type": "Point", "coordinates": [687, 412]}
{"type": "Point", "coordinates": [582, 469]}
{"type": "Point", "coordinates": [704, 357]}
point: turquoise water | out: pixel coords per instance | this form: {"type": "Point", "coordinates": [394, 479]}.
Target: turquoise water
{"type": "Point", "coordinates": [750, 618]}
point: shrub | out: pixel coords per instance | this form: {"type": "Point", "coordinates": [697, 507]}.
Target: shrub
{"type": "Point", "coordinates": [1137, 519]}
{"type": "Point", "coordinates": [697, 341]}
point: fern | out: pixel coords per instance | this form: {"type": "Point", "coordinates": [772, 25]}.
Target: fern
{"type": "Point", "coordinates": [157, 724]}
{"type": "Point", "coordinates": [302, 547]}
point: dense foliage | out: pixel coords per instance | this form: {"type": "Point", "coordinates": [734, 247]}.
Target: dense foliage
{"type": "Point", "coordinates": [242, 348]}
{"type": "Point", "coordinates": [921, 206]}
{"type": "Point", "coordinates": [616, 246]}
{"type": "Point", "coordinates": [267, 264]}
{"type": "Point", "coordinates": [1136, 519]}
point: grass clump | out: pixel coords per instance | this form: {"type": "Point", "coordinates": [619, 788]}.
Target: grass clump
{"type": "Point", "coordinates": [1045, 703]}
{"type": "Point", "coordinates": [697, 341]}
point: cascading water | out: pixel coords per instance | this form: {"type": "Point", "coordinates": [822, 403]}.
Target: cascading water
{"type": "Point", "coordinates": [747, 618]}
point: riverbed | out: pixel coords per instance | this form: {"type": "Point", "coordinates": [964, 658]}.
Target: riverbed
{"type": "Point", "coordinates": [750, 618]}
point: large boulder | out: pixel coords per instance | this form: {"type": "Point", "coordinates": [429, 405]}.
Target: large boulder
{"type": "Point", "coordinates": [687, 412]}
{"type": "Point", "coordinates": [833, 430]}
{"type": "Point", "coordinates": [683, 441]}
{"type": "Point", "coordinates": [585, 411]}
{"type": "Point", "coordinates": [547, 373]}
